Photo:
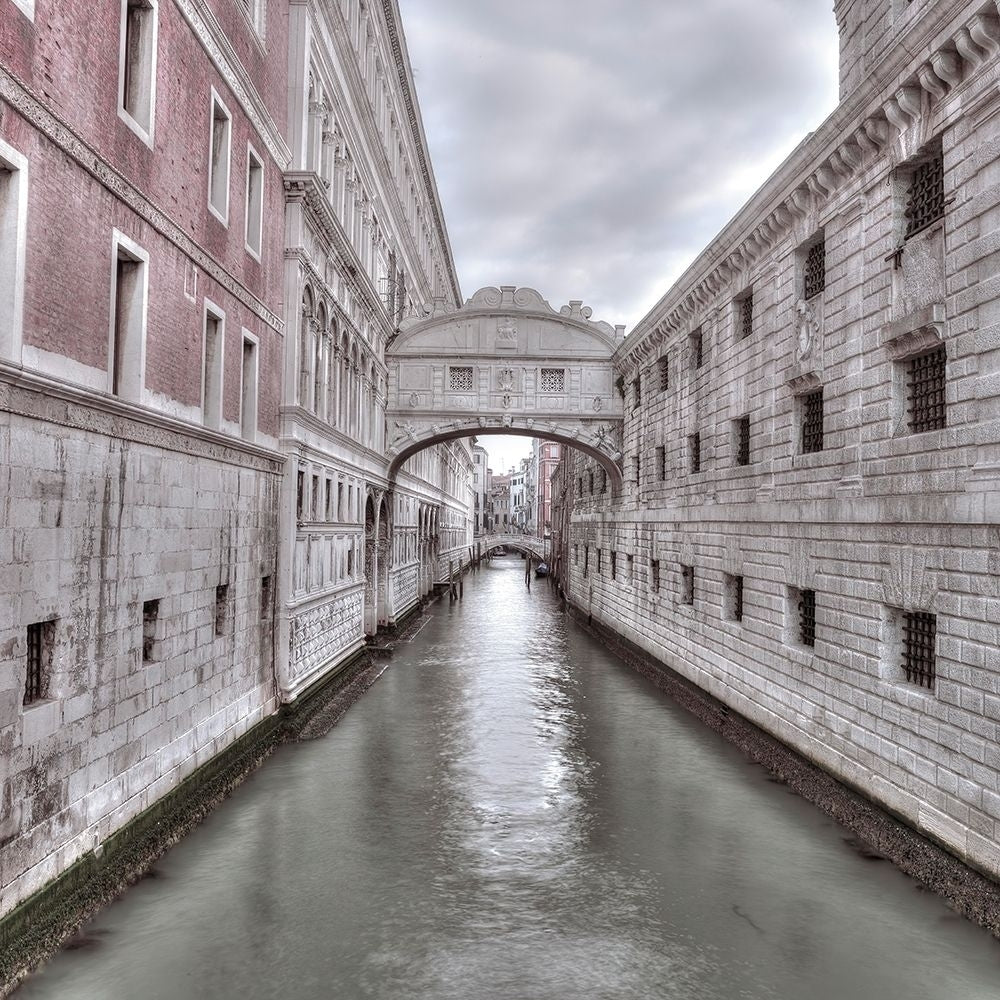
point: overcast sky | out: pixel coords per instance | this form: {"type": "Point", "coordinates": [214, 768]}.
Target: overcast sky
{"type": "Point", "coordinates": [591, 148]}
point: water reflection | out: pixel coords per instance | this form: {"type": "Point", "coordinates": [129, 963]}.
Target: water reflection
{"type": "Point", "coordinates": [511, 813]}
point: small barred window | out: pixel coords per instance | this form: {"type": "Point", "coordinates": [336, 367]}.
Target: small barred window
{"type": "Point", "coordinates": [734, 597]}
{"type": "Point", "coordinates": [746, 316]}
{"type": "Point", "coordinates": [926, 382]}
{"type": "Point", "coordinates": [807, 617]}
{"type": "Point", "coordinates": [743, 441]}
{"type": "Point", "coordinates": [553, 379]}
{"type": "Point", "coordinates": [661, 462]}
{"type": "Point", "coordinates": [918, 647]}
{"type": "Point", "coordinates": [654, 575]}
{"type": "Point", "coordinates": [637, 390]}
{"type": "Point", "coordinates": [694, 445]}
{"type": "Point", "coordinates": [664, 374]}
{"type": "Point", "coordinates": [697, 344]}
{"type": "Point", "coordinates": [40, 643]}
{"type": "Point", "coordinates": [925, 200]}
{"type": "Point", "coordinates": [687, 584]}
{"type": "Point", "coordinates": [614, 565]}
{"type": "Point", "coordinates": [460, 379]}
{"type": "Point", "coordinates": [812, 422]}
{"type": "Point", "coordinates": [815, 272]}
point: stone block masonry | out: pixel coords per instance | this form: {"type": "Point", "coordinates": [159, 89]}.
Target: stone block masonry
{"type": "Point", "coordinates": [145, 563]}
{"type": "Point", "coordinates": [810, 522]}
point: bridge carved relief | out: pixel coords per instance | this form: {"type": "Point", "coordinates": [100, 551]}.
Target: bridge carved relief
{"type": "Point", "coordinates": [505, 363]}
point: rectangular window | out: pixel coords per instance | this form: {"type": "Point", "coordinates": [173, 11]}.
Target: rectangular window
{"type": "Point", "coordinates": [696, 348]}
{"type": "Point", "coordinates": [211, 392]}
{"type": "Point", "coordinates": [265, 598]}
{"type": "Point", "coordinates": [637, 391]}
{"type": "Point", "coordinates": [41, 638]}
{"type": "Point", "coordinates": [219, 152]}
{"type": "Point", "coordinates": [629, 568]}
{"type": "Point", "coordinates": [734, 598]}
{"type": "Point", "coordinates": [460, 379]}
{"type": "Point", "coordinates": [925, 385]}
{"type": "Point", "coordinates": [13, 243]}
{"type": "Point", "coordinates": [137, 66]}
{"type": "Point", "coordinates": [314, 499]}
{"type": "Point", "coordinates": [553, 380]}
{"type": "Point", "coordinates": [340, 501]}
{"type": "Point", "coordinates": [694, 451]}
{"type": "Point", "coordinates": [128, 318]}
{"type": "Point", "coordinates": [636, 469]}
{"type": "Point", "coordinates": [687, 584]}
{"type": "Point", "coordinates": [255, 202]}
{"type": "Point", "coordinates": [579, 486]}
{"type": "Point", "coordinates": [248, 389]}
{"type": "Point", "coordinates": [742, 435]}
{"type": "Point", "coordinates": [150, 616]}
{"type": "Point", "coordinates": [807, 617]}
{"type": "Point", "coordinates": [812, 422]}
{"type": "Point", "coordinates": [614, 565]}
{"type": "Point", "coordinates": [925, 201]}
{"type": "Point", "coordinates": [590, 481]}
{"type": "Point", "coordinates": [604, 481]}
{"type": "Point", "coordinates": [329, 499]}
{"type": "Point", "coordinates": [586, 559]}
{"type": "Point", "coordinates": [919, 641]}
{"type": "Point", "coordinates": [664, 364]}
{"type": "Point", "coordinates": [350, 561]}
{"type": "Point", "coordinates": [300, 485]}
{"type": "Point", "coordinates": [600, 560]}
{"type": "Point", "coordinates": [745, 315]}
{"type": "Point", "coordinates": [661, 462]}
{"type": "Point", "coordinates": [654, 575]}
{"type": "Point", "coordinates": [814, 272]}
{"type": "Point", "coordinates": [221, 608]}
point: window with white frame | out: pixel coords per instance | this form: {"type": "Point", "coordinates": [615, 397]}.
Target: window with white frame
{"type": "Point", "coordinates": [211, 393]}
{"type": "Point", "coordinates": [127, 335]}
{"type": "Point", "coordinates": [248, 388]}
{"type": "Point", "coordinates": [255, 202]}
{"type": "Point", "coordinates": [137, 66]}
{"type": "Point", "coordinates": [219, 151]}
{"type": "Point", "coordinates": [13, 239]}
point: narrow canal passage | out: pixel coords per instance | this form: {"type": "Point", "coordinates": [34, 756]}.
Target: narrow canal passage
{"type": "Point", "coordinates": [512, 813]}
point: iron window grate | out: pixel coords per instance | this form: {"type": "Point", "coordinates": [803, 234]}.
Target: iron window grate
{"type": "Point", "coordinates": [812, 422]}
{"type": "Point", "coordinates": [553, 380]}
{"type": "Point", "coordinates": [746, 316]}
{"type": "Point", "coordinates": [664, 374]}
{"type": "Point", "coordinates": [738, 598]}
{"type": "Point", "coordinates": [34, 682]}
{"type": "Point", "coordinates": [926, 385]}
{"type": "Point", "coordinates": [150, 614]}
{"type": "Point", "coordinates": [743, 442]}
{"type": "Point", "coordinates": [687, 585]}
{"type": "Point", "coordinates": [815, 274]}
{"type": "Point", "coordinates": [919, 640]}
{"type": "Point", "coordinates": [637, 390]}
{"type": "Point", "coordinates": [654, 568]}
{"type": "Point", "coordinates": [925, 200]}
{"type": "Point", "coordinates": [614, 565]}
{"type": "Point", "coordinates": [807, 617]}
{"type": "Point", "coordinates": [697, 349]}
{"type": "Point", "coordinates": [696, 452]}
{"type": "Point", "coordinates": [460, 379]}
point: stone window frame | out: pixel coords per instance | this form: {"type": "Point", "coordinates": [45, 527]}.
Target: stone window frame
{"type": "Point", "coordinates": [802, 255]}
{"type": "Point", "coordinates": [254, 205]}
{"type": "Point", "coordinates": [152, 626]}
{"type": "Point", "coordinates": [738, 440]}
{"type": "Point", "coordinates": [663, 367]}
{"type": "Point", "coordinates": [695, 458]}
{"type": "Point", "coordinates": [127, 332]}
{"type": "Point", "coordinates": [249, 400]}
{"type": "Point", "coordinates": [794, 617]}
{"type": "Point", "coordinates": [213, 367]}
{"type": "Point", "coordinates": [453, 370]}
{"type": "Point", "coordinates": [654, 576]}
{"type": "Point", "coordinates": [696, 348]}
{"type": "Point", "coordinates": [219, 158]}
{"type": "Point", "coordinates": [139, 112]}
{"type": "Point", "coordinates": [920, 333]}
{"type": "Point", "coordinates": [222, 612]}
{"type": "Point", "coordinates": [739, 314]}
{"type": "Point", "coordinates": [891, 660]}
{"type": "Point", "coordinates": [687, 586]}
{"type": "Point", "coordinates": [40, 642]}
{"type": "Point", "coordinates": [661, 463]}
{"type": "Point", "coordinates": [550, 372]}
{"type": "Point", "coordinates": [13, 248]}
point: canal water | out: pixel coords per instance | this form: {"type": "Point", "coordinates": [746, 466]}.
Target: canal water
{"type": "Point", "coordinates": [512, 813]}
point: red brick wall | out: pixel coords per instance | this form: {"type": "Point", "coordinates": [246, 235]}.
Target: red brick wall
{"type": "Point", "coordinates": [69, 60]}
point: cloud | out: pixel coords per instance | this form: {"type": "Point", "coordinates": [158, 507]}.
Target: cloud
{"type": "Point", "coordinates": [591, 149]}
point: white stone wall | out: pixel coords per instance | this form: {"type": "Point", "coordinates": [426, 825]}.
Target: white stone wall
{"type": "Point", "coordinates": [881, 519]}
{"type": "Point", "coordinates": [98, 519]}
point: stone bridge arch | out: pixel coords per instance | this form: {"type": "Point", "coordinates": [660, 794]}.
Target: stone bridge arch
{"type": "Point", "coordinates": [525, 544]}
{"type": "Point", "coordinates": [505, 363]}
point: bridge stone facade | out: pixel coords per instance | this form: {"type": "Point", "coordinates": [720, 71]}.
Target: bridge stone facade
{"type": "Point", "coordinates": [505, 363]}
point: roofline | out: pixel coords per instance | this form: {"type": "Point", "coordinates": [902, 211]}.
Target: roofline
{"type": "Point", "coordinates": [404, 70]}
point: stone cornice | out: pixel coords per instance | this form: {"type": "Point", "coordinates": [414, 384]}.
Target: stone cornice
{"type": "Point", "coordinates": [390, 11]}
{"type": "Point", "coordinates": [213, 39]}
{"type": "Point", "coordinates": [939, 55]}
{"type": "Point", "coordinates": [38, 396]}
{"type": "Point", "coordinates": [304, 186]}
{"type": "Point", "coordinates": [60, 134]}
